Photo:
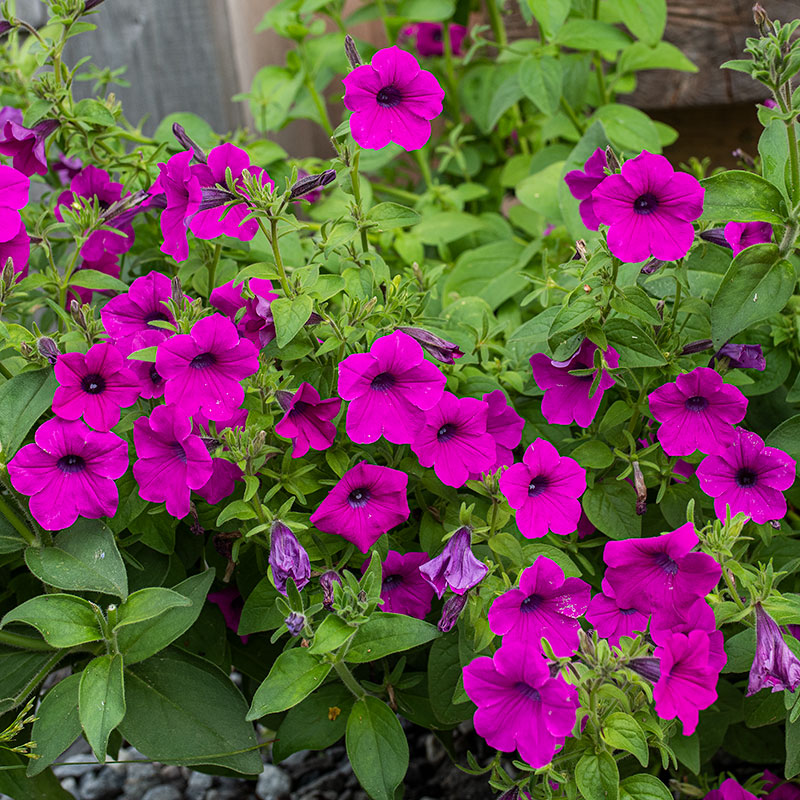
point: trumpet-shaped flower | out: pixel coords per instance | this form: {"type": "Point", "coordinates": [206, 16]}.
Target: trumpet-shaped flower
{"type": "Point", "coordinates": [741, 235]}
{"type": "Point", "coordinates": [775, 666]}
{"type": "Point", "coordinates": [403, 589]}
{"type": "Point", "coordinates": [307, 421]}
{"type": "Point", "coordinates": [455, 567]}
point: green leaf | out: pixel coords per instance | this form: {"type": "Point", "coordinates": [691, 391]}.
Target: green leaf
{"type": "Point", "coordinates": [142, 640]}
{"type": "Point", "coordinates": [627, 127]}
{"type": "Point", "coordinates": [10, 539]}
{"type": "Point", "coordinates": [184, 710]}
{"type": "Point", "coordinates": [643, 787]}
{"type": "Point", "coordinates": [757, 285]}
{"type": "Point", "coordinates": [540, 191]}
{"type": "Point", "coordinates": [290, 315]}
{"type": "Point", "coordinates": [294, 675]}
{"type": "Point", "coordinates": [23, 399]}
{"type": "Point", "coordinates": [63, 619]}
{"type": "Point", "coordinates": [550, 14]}
{"type": "Point", "coordinates": [393, 215]}
{"type": "Point", "coordinates": [444, 674]}
{"type": "Point", "coordinates": [101, 701]}
{"type": "Point", "coordinates": [773, 147]}
{"type": "Point", "coordinates": [57, 723]}
{"type": "Point", "coordinates": [196, 128]}
{"type": "Point", "coordinates": [148, 603]}
{"type": "Point", "coordinates": [591, 34]}
{"type": "Point", "coordinates": [386, 633]}
{"type": "Point", "coordinates": [488, 91]}
{"type": "Point", "coordinates": [314, 724]}
{"type": "Point", "coordinates": [92, 279]}
{"type": "Point", "coordinates": [95, 113]}
{"type": "Point", "coordinates": [426, 10]}
{"type": "Point", "coordinates": [331, 634]}
{"type": "Point", "coordinates": [611, 507]}
{"type": "Point", "coordinates": [259, 612]}
{"type": "Point", "coordinates": [570, 317]}
{"type": "Point", "coordinates": [377, 747]}
{"type": "Point", "coordinates": [593, 455]}
{"type": "Point", "coordinates": [597, 776]}
{"type": "Point", "coordinates": [635, 302]}
{"type": "Point", "coordinates": [623, 732]}
{"type": "Point", "coordinates": [738, 196]}
{"type": "Point", "coordinates": [540, 79]}
{"type": "Point", "coordinates": [83, 558]}
{"type": "Point", "coordinates": [792, 766]}
{"type": "Point", "coordinates": [16, 784]}
{"type": "Point", "coordinates": [446, 227]}
{"type": "Point", "coordinates": [786, 437]}
{"type": "Point", "coordinates": [638, 56]}
{"type": "Point", "coordinates": [645, 19]}
{"type": "Point", "coordinates": [687, 750]}
{"type": "Point", "coordinates": [635, 346]}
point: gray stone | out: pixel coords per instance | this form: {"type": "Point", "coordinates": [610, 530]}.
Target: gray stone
{"type": "Point", "coordinates": [167, 792]}
{"type": "Point", "coordinates": [296, 759]}
{"type": "Point", "coordinates": [101, 785]}
{"type": "Point", "coordinates": [68, 785]}
{"type": "Point", "coordinates": [71, 767]}
{"type": "Point", "coordinates": [273, 783]}
{"type": "Point", "coordinates": [197, 786]}
{"type": "Point", "coordinates": [140, 778]}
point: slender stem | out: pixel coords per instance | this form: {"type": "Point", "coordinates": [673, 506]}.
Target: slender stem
{"type": "Point", "coordinates": [731, 588]}
{"type": "Point", "coordinates": [321, 108]}
{"type": "Point", "coordinates": [355, 180]}
{"type": "Point", "coordinates": [493, 516]}
{"type": "Point", "coordinates": [272, 238]}
{"type": "Point", "coordinates": [255, 502]}
{"type": "Point", "coordinates": [452, 83]}
{"type": "Point", "coordinates": [425, 168]}
{"type": "Point", "coordinates": [212, 268]}
{"type": "Point", "coordinates": [794, 164]}
{"type": "Point", "coordinates": [5, 372]}
{"type": "Point", "coordinates": [393, 191]}
{"type": "Point", "coordinates": [496, 21]}
{"type": "Point", "coordinates": [348, 680]}
{"type": "Point", "coordinates": [573, 117]}
{"type": "Point", "coordinates": [24, 642]}
{"type": "Point", "coordinates": [614, 271]}
{"type": "Point", "coordinates": [19, 526]}
{"type": "Point", "coordinates": [789, 239]}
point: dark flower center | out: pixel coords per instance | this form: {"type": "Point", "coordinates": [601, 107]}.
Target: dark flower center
{"type": "Point", "coordinates": [392, 582]}
{"type": "Point", "coordinates": [696, 403]}
{"type": "Point", "coordinates": [155, 378]}
{"type": "Point", "coordinates": [645, 203]}
{"type": "Point", "coordinates": [203, 361]}
{"type": "Point", "coordinates": [663, 561]}
{"type": "Point", "coordinates": [528, 691]}
{"type": "Point", "coordinates": [178, 451]}
{"type": "Point", "coordinates": [152, 316]}
{"type": "Point", "coordinates": [538, 485]}
{"type": "Point", "coordinates": [383, 382]}
{"type": "Point", "coordinates": [358, 498]}
{"type": "Point", "coordinates": [71, 464]}
{"type": "Point", "coordinates": [746, 478]}
{"type": "Point", "coordinates": [446, 432]}
{"type": "Point", "coordinates": [93, 383]}
{"type": "Point", "coordinates": [530, 603]}
{"type": "Point", "coordinates": [437, 35]}
{"type": "Point", "coordinates": [626, 612]}
{"type": "Point", "coordinates": [299, 408]}
{"type": "Point", "coordinates": [389, 96]}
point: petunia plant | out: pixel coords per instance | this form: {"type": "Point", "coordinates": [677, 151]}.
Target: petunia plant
{"type": "Point", "coordinates": [489, 421]}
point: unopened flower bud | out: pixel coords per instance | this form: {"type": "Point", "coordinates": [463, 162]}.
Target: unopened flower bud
{"type": "Point", "coordinates": [311, 183]}
{"type": "Point", "coordinates": [295, 623]}
{"type": "Point", "coordinates": [641, 489]}
{"type": "Point", "coordinates": [49, 349]}
{"type": "Point", "coordinates": [649, 668]}
{"type": "Point", "coordinates": [612, 160]}
{"type": "Point", "coordinates": [580, 250]}
{"type": "Point", "coordinates": [214, 198]}
{"type": "Point", "coordinates": [177, 292]}
{"type": "Point", "coordinates": [326, 581]}
{"type": "Point", "coordinates": [715, 236]}
{"type": "Point", "coordinates": [761, 19]}
{"type": "Point", "coordinates": [284, 399]}
{"type": "Point", "coordinates": [189, 144]}
{"type": "Point", "coordinates": [90, 4]}
{"type": "Point", "coordinates": [741, 154]}
{"type": "Point", "coordinates": [439, 348]}
{"type": "Point", "coordinates": [775, 665]}
{"type": "Point", "coordinates": [512, 794]}
{"type": "Point", "coordinates": [259, 440]}
{"type": "Point", "coordinates": [451, 611]}
{"type": "Point", "coordinates": [5, 27]}
{"type": "Point", "coordinates": [351, 51]}
{"type": "Point", "coordinates": [7, 277]}
{"type": "Point", "coordinates": [696, 347]}
{"type": "Point", "coordinates": [25, 350]}
{"type": "Point", "coordinates": [76, 312]}
{"type": "Point", "coordinates": [287, 558]}
{"type": "Point", "coordinates": [651, 266]}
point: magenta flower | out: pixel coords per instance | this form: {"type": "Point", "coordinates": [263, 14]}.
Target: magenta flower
{"type": "Point", "coordinates": [14, 188]}
{"type": "Point", "coordinates": [388, 389]}
{"type": "Point", "coordinates": [775, 666]}
{"type": "Point", "coordinates": [778, 789]}
{"type": "Point", "coordinates": [392, 100]}
{"type": "Point", "coordinates": [455, 568]}
{"type": "Point", "coordinates": [172, 460]}
{"type": "Point", "coordinates": [366, 502]}
{"type": "Point", "coordinates": [96, 385]}
{"type": "Point", "coordinates": [454, 440]}
{"type": "Point", "coordinates": [403, 589]}
{"type": "Point", "coordinates": [660, 572]}
{"type": "Point", "coordinates": [69, 472]}
{"type": "Point", "coordinates": [546, 605]}
{"type": "Point", "coordinates": [254, 324]}
{"type": "Point", "coordinates": [649, 208]}
{"type": "Point", "coordinates": [95, 185]}
{"type": "Point", "coordinates": [307, 421]}
{"type": "Point", "coordinates": [230, 602]}
{"type": "Point", "coordinates": [183, 195]}
{"type": "Point", "coordinates": [544, 489]}
{"type": "Point", "coordinates": [699, 616]}
{"type": "Point", "coordinates": [287, 558]}
{"type": "Point", "coordinates": [730, 789]}
{"type": "Point", "coordinates": [127, 317]}
{"type": "Point", "coordinates": [203, 370]}
{"type": "Point", "coordinates": [566, 397]}
{"type": "Point", "coordinates": [740, 235]}
{"type": "Point", "coordinates": [582, 183]}
{"type": "Point", "coordinates": [610, 620]}
{"type": "Point", "coordinates": [18, 249]}
{"type": "Point", "coordinates": [505, 426]}
{"type": "Point", "coordinates": [224, 473]}
{"type": "Point", "coordinates": [151, 384]}
{"type": "Point", "coordinates": [451, 611]}
{"type": "Point", "coordinates": [429, 38]}
{"type": "Point", "coordinates": [688, 681]}
{"type": "Point", "coordinates": [66, 168]}
{"type": "Point", "coordinates": [520, 707]}
{"type": "Point", "coordinates": [697, 412]}
{"type": "Point", "coordinates": [26, 145]}
{"type": "Point", "coordinates": [749, 478]}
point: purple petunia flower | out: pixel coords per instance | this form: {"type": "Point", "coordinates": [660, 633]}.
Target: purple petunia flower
{"type": "Point", "coordinates": [743, 356]}
{"type": "Point", "coordinates": [660, 572]}
{"type": "Point", "coordinates": [224, 473]}
{"type": "Point", "coordinates": [748, 477]}
{"type": "Point", "coordinates": [505, 426]}
{"type": "Point", "coordinates": [697, 412]}
{"type": "Point", "coordinates": [254, 324]}
{"type": "Point", "coordinates": [230, 602]}
{"type": "Point", "coordinates": [388, 389]}
{"type": "Point", "coordinates": [583, 182]}
{"type": "Point", "coordinates": [183, 195]}
{"type": "Point", "coordinates": [295, 623]}
{"type": "Point", "coordinates": [520, 706]}
{"type": "Point", "coordinates": [439, 348]}
{"type": "Point", "coordinates": [454, 440]}
{"type": "Point", "coordinates": [649, 208]}
{"type": "Point", "coordinates": [612, 621]}
{"type": "Point", "coordinates": [69, 472]}
{"type": "Point", "coordinates": [566, 397]}
{"type": "Point", "coordinates": [14, 187]}
{"type": "Point", "coordinates": [151, 384]}
{"type": "Point", "coordinates": [172, 460]}
{"type": "Point", "coordinates": [699, 616]}
{"type": "Point", "coordinates": [688, 681]}
{"type": "Point", "coordinates": [66, 168]}
{"type": "Point", "coordinates": [546, 605]}
{"type": "Point", "coordinates": [26, 145]}
{"type": "Point", "coordinates": [127, 317]}
{"type": "Point", "coordinates": [203, 370]}
{"type": "Point", "coordinates": [366, 502]}
{"type": "Point", "coordinates": [429, 38]}
{"type": "Point", "coordinates": [775, 666]}
{"type": "Point", "coordinates": [96, 385]}
{"type": "Point", "coordinates": [403, 589]}
{"type": "Point", "coordinates": [455, 568]}
{"type": "Point", "coordinates": [18, 249]}
{"type": "Point", "coordinates": [740, 235]}
{"type": "Point", "coordinates": [307, 421]}
{"type": "Point", "coordinates": [287, 558]}
{"type": "Point", "coordinates": [730, 789]}
{"type": "Point", "coordinates": [392, 100]}
{"type": "Point", "coordinates": [544, 489]}
{"type": "Point", "coordinates": [778, 789]}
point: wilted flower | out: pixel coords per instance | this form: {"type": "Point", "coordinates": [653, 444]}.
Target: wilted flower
{"type": "Point", "coordinates": [439, 348]}
{"type": "Point", "coordinates": [775, 665]}
{"type": "Point", "coordinates": [48, 348]}
{"type": "Point", "coordinates": [326, 581]}
{"type": "Point", "coordinates": [288, 558]}
{"type": "Point", "coordinates": [451, 611]}
{"type": "Point", "coordinates": [743, 356]}
{"type": "Point", "coordinates": [455, 568]}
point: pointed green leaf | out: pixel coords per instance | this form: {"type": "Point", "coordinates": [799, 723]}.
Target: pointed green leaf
{"type": "Point", "coordinates": [101, 701]}
{"type": "Point", "coordinates": [63, 619]}
{"type": "Point", "coordinates": [57, 723]}
{"type": "Point", "coordinates": [148, 603]}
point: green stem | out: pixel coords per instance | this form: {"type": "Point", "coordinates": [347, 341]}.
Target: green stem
{"type": "Point", "coordinates": [354, 179]}
{"type": "Point", "coordinates": [321, 108]}
{"type": "Point", "coordinates": [272, 238]}
{"type": "Point", "coordinates": [449, 69]}
{"type": "Point", "coordinates": [24, 642]}
{"type": "Point", "coordinates": [393, 191]}
{"type": "Point", "coordinates": [493, 517]}
{"type": "Point", "coordinates": [573, 117]}
{"type": "Point", "coordinates": [677, 302]}
{"type": "Point", "coordinates": [791, 135]}
{"type": "Point", "coordinates": [19, 526]}
{"type": "Point", "coordinates": [614, 271]}
{"type": "Point", "coordinates": [422, 160]}
{"type": "Point", "coordinates": [384, 19]}
{"type": "Point", "coordinates": [731, 588]}
{"type": "Point", "coordinates": [255, 502]}
{"type": "Point", "coordinates": [5, 372]}
{"type": "Point", "coordinates": [789, 239]}
{"type": "Point", "coordinates": [212, 268]}
{"type": "Point", "coordinates": [496, 21]}
{"type": "Point", "coordinates": [348, 680]}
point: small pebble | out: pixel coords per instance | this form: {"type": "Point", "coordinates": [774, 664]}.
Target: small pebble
{"type": "Point", "coordinates": [68, 785]}
{"type": "Point", "coordinates": [197, 786]}
{"type": "Point", "coordinates": [162, 793]}
{"type": "Point", "coordinates": [273, 783]}
{"type": "Point", "coordinates": [102, 785]}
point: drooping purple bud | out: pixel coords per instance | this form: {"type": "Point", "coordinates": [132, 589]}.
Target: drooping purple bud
{"type": "Point", "coordinates": [743, 356]}
{"type": "Point", "coordinates": [455, 567]}
{"type": "Point", "coordinates": [641, 489]}
{"type": "Point", "coordinates": [697, 347]}
{"type": "Point", "coordinates": [649, 668]}
{"type": "Point", "coordinates": [716, 236]}
{"type": "Point", "coordinates": [439, 348]}
{"type": "Point", "coordinates": [512, 794]}
{"type": "Point", "coordinates": [284, 399]}
{"type": "Point", "coordinates": [213, 198]}
{"type": "Point", "coordinates": [775, 665]}
{"type": "Point", "coordinates": [185, 141]}
{"type": "Point", "coordinates": [90, 4]}
{"type": "Point", "coordinates": [451, 611]}
{"type": "Point", "coordinates": [351, 51]}
{"type": "Point", "coordinates": [312, 183]}
{"type": "Point", "coordinates": [651, 266]}
{"type": "Point", "coordinates": [287, 558]}
{"type": "Point", "coordinates": [44, 128]}
{"type": "Point", "coordinates": [5, 27]}
{"type": "Point", "coordinates": [49, 349]}
{"type": "Point", "coordinates": [612, 160]}
{"type": "Point", "coordinates": [295, 623]}
{"type": "Point", "coordinates": [761, 19]}
{"type": "Point", "coordinates": [326, 581]}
